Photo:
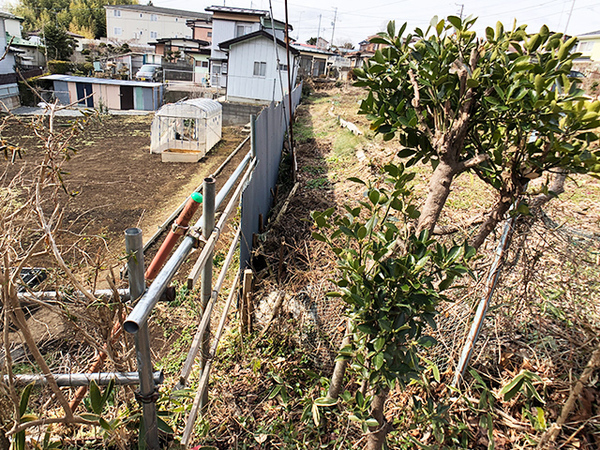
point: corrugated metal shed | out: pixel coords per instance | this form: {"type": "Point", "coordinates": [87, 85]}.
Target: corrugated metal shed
{"type": "Point", "coordinates": [113, 94]}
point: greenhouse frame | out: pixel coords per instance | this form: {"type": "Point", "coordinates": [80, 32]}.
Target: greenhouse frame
{"type": "Point", "coordinates": [191, 126]}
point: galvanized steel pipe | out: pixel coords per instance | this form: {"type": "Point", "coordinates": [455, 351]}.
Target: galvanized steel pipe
{"type": "Point", "coordinates": [144, 307]}
{"type": "Point", "coordinates": [84, 379]}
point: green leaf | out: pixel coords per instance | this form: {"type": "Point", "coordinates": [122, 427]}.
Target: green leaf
{"type": "Point", "coordinates": [326, 401]}
{"type": "Point", "coordinates": [104, 424]}
{"type": "Point", "coordinates": [319, 237]}
{"type": "Point", "coordinates": [427, 341]}
{"type": "Point", "coordinates": [25, 399]}
{"type": "Point", "coordinates": [512, 388]}
{"type": "Point", "coordinates": [90, 417]}
{"type": "Point", "coordinates": [164, 426]}
{"type": "Point", "coordinates": [372, 423]}
{"type": "Point", "coordinates": [107, 391]}
{"type": "Point", "coordinates": [391, 28]}
{"type": "Point", "coordinates": [95, 398]}
{"type": "Point", "coordinates": [378, 361]}
{"type": "Point", "coordinates": [472, 83]}
{"type": "Point", "coordinates": [316, 415]}
{"type": "Point", "coordinates": [356, 180]}
{"type": "Point", "coordinates": [275, 392]}
{"type": "Point", "coordinates": [374, 196]}
{"type": "Point", "coordinates": [455, 21]}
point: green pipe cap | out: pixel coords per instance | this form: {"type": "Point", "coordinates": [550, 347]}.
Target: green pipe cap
{"type": "Point", "coordinates": [197, 197]}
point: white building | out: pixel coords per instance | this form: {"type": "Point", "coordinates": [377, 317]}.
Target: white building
{"type": "Point", "coordinates": [140, 24]}
{"type": "Point", "coordinates": [9, 90]}
{"type": "Point", "coordinates": [229, 23]}
{"type": "Point", "coordinates": [258, 68]}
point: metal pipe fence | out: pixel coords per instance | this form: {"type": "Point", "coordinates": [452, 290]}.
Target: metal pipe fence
{"type": "Point", "coordinates": [255, 176]}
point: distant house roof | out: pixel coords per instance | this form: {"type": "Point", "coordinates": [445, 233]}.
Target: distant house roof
{"type": "Point", "coordinates": [260, 33]}
{"type": "Point", "coordinates": [74, 79]}
{"type": "Point", "coordinates": [234, 10]}
{"type": "Point", "coordinates": [592, 33]}
{"type": "Point", "coordinates": [159, 10]}
{"type": "Point", "coordinates": [7, 15]}
{"type": "Point", "coordinates": [165, 40]}
{"type": "Point", "coordinates": [307, 48]}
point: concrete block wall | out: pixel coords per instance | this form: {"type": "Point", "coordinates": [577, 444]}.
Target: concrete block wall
{"type": "Point", "coordinates": [239, 113]}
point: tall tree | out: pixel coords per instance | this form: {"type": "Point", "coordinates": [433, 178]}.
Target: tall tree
{"type": "Point", "coordinates": [503, 107]}
{"type": "Point", "coordinates": [59, 45]}
{"type": "Point", "coordinates": [87, 17]}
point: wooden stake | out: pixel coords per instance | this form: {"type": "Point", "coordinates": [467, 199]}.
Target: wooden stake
{"type": "Point", "coordinates": [247, 302]}
{"type": "Point", "coordinates": [261, 224]}
{"type": "Point", "coordinates": [281, 255]}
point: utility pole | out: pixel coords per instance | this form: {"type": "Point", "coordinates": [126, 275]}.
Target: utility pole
{"type": "Point", "coordinates": [333, 31]}
{"type": "Point", "coordinates": [319, 31]}
{"type": "Point", "coordinates": [569, 18]}
{"type": "Point", "coordinates": [462, 8]}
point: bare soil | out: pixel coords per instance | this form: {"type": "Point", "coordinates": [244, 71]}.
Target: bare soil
{"type": "Point", "coordinates": [115, 182]}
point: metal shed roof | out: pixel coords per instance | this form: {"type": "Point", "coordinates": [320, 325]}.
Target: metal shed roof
{"type": "Point", "coordinates": [189, 108]}
{"type": "Point", "coordinates": [75, 79]}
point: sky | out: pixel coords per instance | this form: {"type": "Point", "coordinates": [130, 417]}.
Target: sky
{"type": "Point", "coordinates": [355, 20]}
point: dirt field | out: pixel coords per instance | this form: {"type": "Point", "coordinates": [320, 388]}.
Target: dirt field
{"type": "Point", "coordinates": [117, 181]}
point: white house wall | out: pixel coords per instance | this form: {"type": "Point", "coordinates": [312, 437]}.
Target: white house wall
{"type": "Point", "coordinates": [243, 84]}
{"type": "Point", "coordinates": [224, 30]}
{"type": "Point", "coordinates": [138, 26]}
{"type": "Point", "coordinates": [6, 64]}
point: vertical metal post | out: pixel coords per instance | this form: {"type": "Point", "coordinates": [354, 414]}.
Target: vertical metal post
{"type": "Point", "coordinates": [253, 135]}
{"type": "Point", "coordinates": [208, 224]}
{"type": "Point", "coordinates": [148, 394]}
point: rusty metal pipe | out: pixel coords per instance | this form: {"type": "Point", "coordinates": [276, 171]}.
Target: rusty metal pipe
{"type": "Point", "coordinates": [179, 228]}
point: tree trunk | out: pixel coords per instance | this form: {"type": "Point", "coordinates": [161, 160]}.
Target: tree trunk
{"type": "Point", "coordinates": [376, 439]}
{"type": "Point", "coordinates": [439, 189]}
{"type": "Point", "coordinates": [489, 224]}
{"type": "Point", "coordinates": [337, 378]}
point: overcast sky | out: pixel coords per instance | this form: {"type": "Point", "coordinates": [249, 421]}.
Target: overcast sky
{"type": "Point", "coordinates": [357, 19]}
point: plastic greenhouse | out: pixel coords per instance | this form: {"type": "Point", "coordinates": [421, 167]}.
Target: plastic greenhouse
{"type": "Point", "coordinates": [187, 130]}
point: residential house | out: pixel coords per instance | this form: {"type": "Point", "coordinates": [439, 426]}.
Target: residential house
{"type": "Point", "coordinates": [28, 53]}
{"type": "Point", "coordinates": [9, 90]}
{"type": "Point", "coordinates": [229, 23]}
{"type": "Point", "coordinates": [201, 29]}
{"type": "Point", "coordinates": [193, 57]}
{"type": "Point", "coordinates": [144, 23]}
{"type": "Point", "coordinates": [589, 46]}
{"type": "Point", "coordinates": [365, 51]}
{"type": "Point", "coordinates": [313, 60]}
{"type": "Point", "coordinates": [258, 67]}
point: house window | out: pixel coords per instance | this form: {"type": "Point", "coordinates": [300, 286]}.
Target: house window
{"type": "Point", "coordinates": [209, 34]}
{"type": "Point", "coordinates": [224, 68]}
{"type": "Point", "coordinates": [204, 64]}
{"type": "Point", "coordinates": [118, 31]}
{"type": "Point", "coordinates": [141, 15]}
{"type": "Point", "coordinates": [241, 30]}
{"type": "Point", "coordinates": [153, 17]}
{"type": "Point", "coordinates": [153, 35]}
{"type": "Point", "coordinates": [282, 67]}
{"type": "Point", "coordinates": [117, 12]}
{"type": "Point", "coordinates": [586, 46]}
{"type": "Point", "coordinates": [260, 68]}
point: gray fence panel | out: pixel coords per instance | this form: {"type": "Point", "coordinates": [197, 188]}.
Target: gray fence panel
{"type": "Point", "coordinates": [270, 132]}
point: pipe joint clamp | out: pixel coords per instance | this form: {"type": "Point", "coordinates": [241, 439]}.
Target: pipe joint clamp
{"type": "Point", "coordinates": [196, 233]}
{"type": "Point", "coordinates": [145, 399]}
{"type": "Point", "coordinates": [178, 229]}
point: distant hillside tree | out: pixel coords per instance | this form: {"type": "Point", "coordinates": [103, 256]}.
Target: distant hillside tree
{"type": "Point", "coordinates": [59, 45]}
{"type": "Point", "coordinates": [312, 41]}
{"type": "Point", "coordinates": [86, 17]}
